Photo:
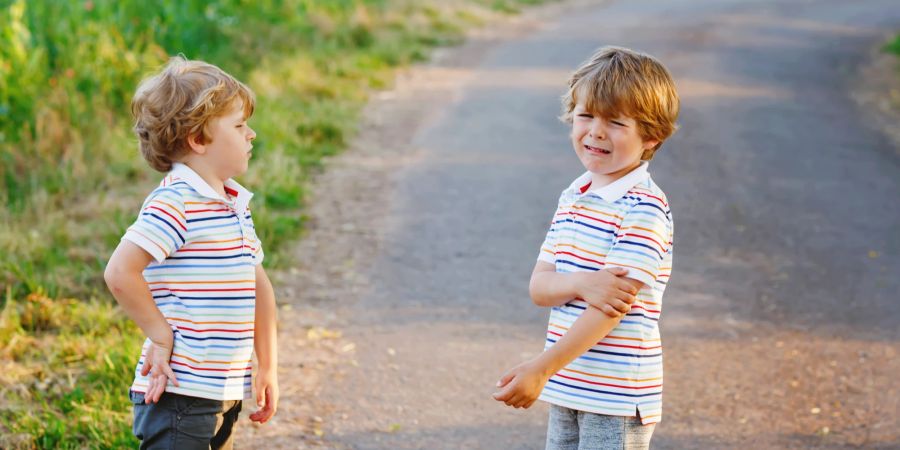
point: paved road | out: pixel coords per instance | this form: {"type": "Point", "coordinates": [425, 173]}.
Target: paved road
{"type": "Point", "coordinates": [781, 320]}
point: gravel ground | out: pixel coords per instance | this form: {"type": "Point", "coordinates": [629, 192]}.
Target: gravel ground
{"type": "Point", "coordinates": [391, 337]}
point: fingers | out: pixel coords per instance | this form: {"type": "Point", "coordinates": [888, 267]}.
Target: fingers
{"type": "Point", "coordinates": [503, 395]}
{"type": "Point", "coordinates": [505, 379]}
{"type": "Point", "coordinates": [617, 271]}
{"type": "Point", "coordinates": [512, 397]}
{"type": "Point", "coordinates": [626, 287]}
{"type": "Point", "coordinates": [146, 366]}
{"type": "Point", "coordinates": [152, 394]}
{"type": "Point", "coordinates": [157, 382]}
{"type": "Point", "coordinates": [614, 307]}
{"type": "Point", "coordinates": [263, 415]}
{"type": "Point", "coordinates": [271, 405]}
{"type": "Point", "coordinates": [523, 401]}
{"type": "Point", "coordinates": [609, 310]}
{"type": "Point", "coordinates": [170, 375]}
{"type": "Point", "coordinates": [271, 401]}
{"type": "Point", "coordinates": [268, 401]}
{"type": "Point", "coordinates": [148, 361]}
{"type": "Point", "coordinates": [151, 386]}
{"type": "Point", "coordinates": [620, 307]}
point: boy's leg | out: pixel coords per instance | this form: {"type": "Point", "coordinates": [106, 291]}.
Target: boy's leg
{"type": "Point", "coordinates": [224, 438]}
{"type": "Point", "coordinates": [562, 429]}
{"type": "Point", "coordinates": [602, 432]}
{"type": "Point", "coordinates": [182, 422]}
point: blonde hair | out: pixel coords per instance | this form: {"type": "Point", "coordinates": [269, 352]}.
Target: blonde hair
{"type": "Point", "coordinates": [177, 103]}
{"type": "Point", "coordinates": [617, 81]}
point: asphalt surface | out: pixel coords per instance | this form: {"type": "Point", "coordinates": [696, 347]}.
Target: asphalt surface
{"type": "Point", "coordinates": [780, 324]}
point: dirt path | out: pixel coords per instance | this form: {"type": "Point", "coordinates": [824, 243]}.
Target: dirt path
{"type": "Point", "coordinates": [354, 192]}
{"type": "Point", "coordinates": [781, 322]}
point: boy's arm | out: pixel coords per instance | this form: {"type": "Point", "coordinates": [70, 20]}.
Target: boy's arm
{"type": "Point", "coordinates": [606, 290]}
{"type": "Point", "coordinates": [266, 346]}
{"type": "Point", "coordinates": [124, 277]}
{"type": "Point", "coordinates": [522, 384]}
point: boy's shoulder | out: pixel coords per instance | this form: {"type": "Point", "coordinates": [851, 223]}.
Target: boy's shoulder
{"type": "Point", "coordinates": [169, 188]}
{"type": "Point", "coordinates": [649, 193]}
{"type": "Point", "coordinates": [640, 190]}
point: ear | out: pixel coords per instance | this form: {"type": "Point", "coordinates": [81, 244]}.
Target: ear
{"type": "Point", "coordinates": [195, 142]}
{"type": "Point", "coordinates": [650, 144]}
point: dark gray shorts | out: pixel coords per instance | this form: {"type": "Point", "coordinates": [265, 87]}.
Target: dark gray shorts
{"type": "Point", "coordinates": [184, 423]}
{"type": "Point", "coordinates": [569, 429]}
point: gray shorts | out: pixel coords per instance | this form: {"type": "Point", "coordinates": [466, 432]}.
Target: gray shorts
{"type": "Point", "coordinates": [569, 429]}
{"type": "Point", "coordinates": [184, 423]}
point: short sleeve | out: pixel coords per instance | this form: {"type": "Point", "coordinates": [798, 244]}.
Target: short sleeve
{"type": "Point", "coordinates": [253, 241]}
{"type": "Point", "coordinates": [161, 227]}
{"type": "Point", "coordinates": [642, 241]}
{"type": "Point", "coordinates": [548, 247]}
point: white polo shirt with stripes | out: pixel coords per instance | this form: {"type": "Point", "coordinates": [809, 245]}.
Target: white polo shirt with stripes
{"type": "Point", "coordinates": [203, 280]}
{"type": "Point", "coordinates": [625, 224]}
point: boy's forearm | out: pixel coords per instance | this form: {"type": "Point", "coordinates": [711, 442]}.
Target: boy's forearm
{"type": "Point", "coordinates": [592, 326]}
{"type": "Point", "coordinates": [133, 295]}
{"type": "Point", "coordinates": [265, 329]}
{"type": "Point", "coordinates": [552, 288]}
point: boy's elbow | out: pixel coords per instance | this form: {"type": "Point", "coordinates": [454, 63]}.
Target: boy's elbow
{"type": "Point", "coordinates": [111, 276]}
{"type": "Point", "coordinates": [536, 298]}
{"type": "Point", "coordinates": [116, 279]}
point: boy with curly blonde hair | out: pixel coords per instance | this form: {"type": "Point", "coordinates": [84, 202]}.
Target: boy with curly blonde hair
{"type": "Point", "coordinates": [605, 263]}
{"type": "Point", "coordinates": [189, 270]}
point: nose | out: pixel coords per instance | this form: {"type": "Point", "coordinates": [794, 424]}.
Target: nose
{"type": "Point", "coordinates": [252, 134]}
{"type": "Point", "coordinates": [597, 130]}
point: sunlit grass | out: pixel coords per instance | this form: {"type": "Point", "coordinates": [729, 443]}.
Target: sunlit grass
{"type": "Point", "coordinates": [67, 367]}
{"type": "Point", "coordinates": [893, 46]}
{"type": "Point", "coordinates": [71, 179]}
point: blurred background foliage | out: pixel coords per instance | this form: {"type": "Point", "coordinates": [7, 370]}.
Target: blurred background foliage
{"type": "Point", "coordinates": [72, 180]}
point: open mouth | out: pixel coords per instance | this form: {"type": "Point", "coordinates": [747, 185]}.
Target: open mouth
{"type": "Point", "coordinates": [596, 150]}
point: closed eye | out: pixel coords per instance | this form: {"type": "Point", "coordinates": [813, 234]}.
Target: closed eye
{"type": "Point", "coordinates": [586, 116]}
{"type": "Point", "coordinates": [616, 122]}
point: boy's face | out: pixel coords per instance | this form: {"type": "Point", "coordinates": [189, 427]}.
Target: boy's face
{"type": "Point", "coordinates": [230, 142]}
{"type": "Point", "coordinates": [607, 147]}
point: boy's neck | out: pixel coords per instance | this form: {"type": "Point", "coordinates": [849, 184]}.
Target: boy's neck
{"type": "Point", "coordinates": [599, 180]}
{"type": "Point", "coordinates": [209, 176]}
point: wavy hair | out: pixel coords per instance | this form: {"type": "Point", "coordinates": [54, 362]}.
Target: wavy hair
{"type": "Point", "coordinates": [178, 102]}
{"type": "Point", "coordinates": [618, 81]}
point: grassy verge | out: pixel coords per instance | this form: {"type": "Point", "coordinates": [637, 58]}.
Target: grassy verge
{"type": "Point", "coordinates": [67, 366]}
{"type": "Point", "coordinates": [893, 46]}
{"type": "Point", "coordinates": [71, 179]}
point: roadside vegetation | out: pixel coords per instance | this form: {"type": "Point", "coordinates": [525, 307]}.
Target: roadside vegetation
{"type": "Point", "coordinates": [893, 46]}
{"type": "Point", "coordinates": [71, 179]}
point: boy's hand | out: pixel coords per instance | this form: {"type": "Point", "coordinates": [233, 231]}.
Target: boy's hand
{"type": "Point", "coordinates": [521, 385]}
{"type": "Point", "coordinates": [607, 291]}
{"type": "Point", "coordinates": [156, 363]}
{"type": "Point", "coordinates": [266, 396]}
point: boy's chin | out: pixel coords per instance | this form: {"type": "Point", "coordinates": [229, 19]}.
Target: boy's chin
{"type": "Point", "coordinates": [236, 173]}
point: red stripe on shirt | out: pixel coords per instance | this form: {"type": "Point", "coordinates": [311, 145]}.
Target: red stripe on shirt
{"type": "Point", "coordinates": [166, 213]}
{"type": "Point", "coordinates": [242, 369]}
{"type": "Point", "coordinates": [608, 384]}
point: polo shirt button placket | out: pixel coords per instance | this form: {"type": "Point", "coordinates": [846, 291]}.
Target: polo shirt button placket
{"type": "Point", "coordinates": [240, 219]}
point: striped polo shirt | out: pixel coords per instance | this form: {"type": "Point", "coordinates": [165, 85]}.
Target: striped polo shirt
{"type": "Point", "coordinates": [203, 280]}
{"type": "Point", "coordinates": [624, 224]}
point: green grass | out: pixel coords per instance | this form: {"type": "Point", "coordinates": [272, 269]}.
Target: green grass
{"type": "Point", "coordinates": [893, 46]}
{"type": "Point", "coordinates": [67, 367]}
{"type": "Point", "coordinates": [71, 179]}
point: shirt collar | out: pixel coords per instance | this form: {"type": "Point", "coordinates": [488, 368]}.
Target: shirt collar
{"type": "Point", "coordinates": [615, 190]}
{"type": "Point", "coordinates": [240, 194]}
